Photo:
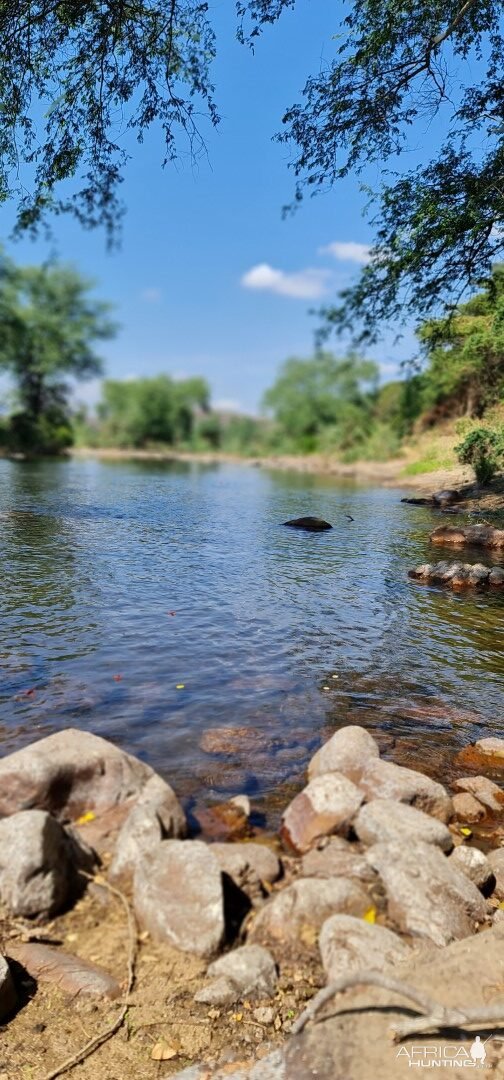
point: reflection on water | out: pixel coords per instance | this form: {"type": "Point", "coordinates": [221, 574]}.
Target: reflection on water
{"type": "Point", "coordinates": [122, 581]}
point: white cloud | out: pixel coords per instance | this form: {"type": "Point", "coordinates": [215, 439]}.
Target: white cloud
{"type": "Point", "coordinates": [151, 295]}
{"type": "Point", "coordinates": [348, 251]}
{"type": "Point", "coordinates": [300, 284]}
{"type": "Point", "coordinates": [228, 405]}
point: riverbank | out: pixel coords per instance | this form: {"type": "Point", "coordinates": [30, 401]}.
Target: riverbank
{"type": "Point", "coordinates": [392, 474]}
{"type": "Point", "coordinates": [111, 914]}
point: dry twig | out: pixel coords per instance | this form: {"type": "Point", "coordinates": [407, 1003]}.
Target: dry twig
{"type": "Point", "coordinates": [434, 1015]}
{"type": "Point", "coordinates": [98, 1040]}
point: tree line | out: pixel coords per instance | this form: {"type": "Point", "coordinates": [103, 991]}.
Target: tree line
{"type": "Point", "coordinates": [51, 325]}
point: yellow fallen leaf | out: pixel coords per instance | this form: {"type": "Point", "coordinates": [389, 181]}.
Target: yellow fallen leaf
{"type": "Point", "coordinates": [370, 915]}
{"type": "Point", "coordinates": [84, 818]}
{"type": "Point", "coordinates": [163, 1052]}
{"type": "Point", "coordinates": [501, 905]}
{"type": "Point", "coordinates": [180, 686]}
{"type": "Point", "coordinates": [465, 831]}
{"type": "Point", "coordinates": [238, 1017]}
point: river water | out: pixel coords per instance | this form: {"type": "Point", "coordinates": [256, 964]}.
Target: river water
{"type": "Point", "coordinates": [157, 604]}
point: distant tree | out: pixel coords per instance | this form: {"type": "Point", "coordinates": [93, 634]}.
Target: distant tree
{"type": "Point", "coordinates": [48, 327]}
{"type": "Point", "coordinates": [323, 392]}
{"type": "Point", "coordinates": [465, 354]}
{"type": "Point", "coordinates": [136, 412]}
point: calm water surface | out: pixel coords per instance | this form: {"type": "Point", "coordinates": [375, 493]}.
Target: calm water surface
{"type": "Point", "coordinates": [122, 581]}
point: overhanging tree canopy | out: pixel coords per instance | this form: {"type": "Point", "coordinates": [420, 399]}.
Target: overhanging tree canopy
{"type": "Point", "coordinates": [97, 71]}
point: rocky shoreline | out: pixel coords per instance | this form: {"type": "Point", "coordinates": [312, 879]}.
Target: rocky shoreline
{"type": "Point", "coordinates": [377, 869]}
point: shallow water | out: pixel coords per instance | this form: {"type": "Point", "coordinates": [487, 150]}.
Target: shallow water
{"type": "Point", "coordinates": [122, 581]}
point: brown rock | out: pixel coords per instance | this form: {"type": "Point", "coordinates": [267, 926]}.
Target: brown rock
{"type": "Point", "coordinates": [348, 944]}
{"type": "Point", "coordinates": [296, 913]}
{"type": "Point", "coordinates": [476, 535]}
{"type": "Point", "coordinates": [348, 752]}
{"type": "Point", "coordinates": [427, 895]}
{"type": "Point", "coordinates": [384, 780]}
{"type": "Point", "coordinates": [386, 819]}
{"type": "Point", "coordinates": [68, 774]}
{"type": "Point", "coordinates": [467, 808]}
{"type": "Point", "coordinates": [477, 758]}
{"type": "Point", "coordinates": [327, 805]}
{"type": "Point", "coordinates": [232, 740]}
{"type": "Point", "coordinates": [157, 815]}
{"type": "Point", "coordinates": [223, 821]}
{"type": "Point", "coordinates": [337, 859]}
{"type": "Point", "coordinates": [69, 973]}
{"type": "Point", "coordinates": [178, 896]}
{"type": "Point", "coordinates": [496, 860]}
{"type": "Point", "coordinates": [484, 790]}
{"type": "Point", "coordinates": [249, 865]}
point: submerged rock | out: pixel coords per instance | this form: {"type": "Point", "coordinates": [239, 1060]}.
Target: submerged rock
{"type": "Point", "coordinates": [327, 805]}
{"type": "Point", "coordinates": [427, 895]}
{"type": "Point", "coordinates": [348, 751]}
{"type": "Point", "coordinates": [69, 973]}
{"type": "Point", "coordinates": [348, 944]}
{"type": "Point", "coordinates": [310, 524]}
{"type": "Point", "coordinates": [178, 896]}
{"type": "Point", "coordinates": [296, 913]}
{"type": "Point", "coordinates": [38, 864]}
{"type": "Point", "coordinates": [69, 774]}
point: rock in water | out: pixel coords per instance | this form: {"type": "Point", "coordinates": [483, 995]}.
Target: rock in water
{"type": "Point", "coordinates": [178, 896]}
{"type": "Point", "coordinates": [69, 774]}
{"type": "Point", "coordinates": [310, 524]}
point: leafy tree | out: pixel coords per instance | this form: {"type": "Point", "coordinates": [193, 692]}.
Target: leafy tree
{"type": "Point", "coordinates": [465, 354]}
{"type": "Point", "coordinates": [136, 412]}
{"type": "Point", "coordinates": [48, 326]}
{"type": "Point", "coordinates": [323, 393]}
{"type": "Point", "coordinates": [484, 450]}
{"type": "Point", "coordinates": [115, 67]}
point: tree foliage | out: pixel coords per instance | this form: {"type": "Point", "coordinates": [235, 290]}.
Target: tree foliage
{"type": "Point", "coordinates": [48, 328]}
{"type": "Point", "coordinates": [136, 412]}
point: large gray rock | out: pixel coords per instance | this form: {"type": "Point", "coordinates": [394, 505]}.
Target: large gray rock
{"type": "Point", "coordinates": [348, 944]}
{"type": "Point", "coordinates": [246, 972]}
{"type": "Point", "coordinates": [484, 790]}
{"type": "Point", "coordinates": [385, 819]}
{"type": "Point", "coordinates": [427, 895]}
{"type": "Point", "coordinates": [338, 858]}
{"type": "Point", "coordinates": [157, 815]}
{"type": "Point", "coordinates": [249, 866]}
{"type": "Point", "coordinates": [348, 752]}
{"type": "Point", "coordinates": [178, 896]}
{"type": "Point", "coordinates": [472, 862]}
{"type": "Point", "coordinates": [38, 864]}
{"type": "Point", "coordinates": [327, 805]}
{"type": "Point", "coordinates": [354, 1043]}
{"type": "Point", "coordinates": [69, 773]}
{"type": "Point", "coordinates": [496, 860]}
{"type": "Point", "coordinates": [8, 996]}
{"type": "Point", "coordinates": [295, 913]}
{"type": "Point", "coordinates": [384, 780]}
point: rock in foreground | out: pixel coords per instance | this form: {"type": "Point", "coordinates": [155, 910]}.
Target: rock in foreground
{"type": "Point", "coordinates": [327, 805]}
{"type": "Point", "coordinates": [157, 815]}
{"type": "Point", "coordinates": [178, 896]}
{"type": "Point", "coordinates": [69, 774]}
{"type": "Point", "coordinates": [428, 896]}
{"type": "Point", "coordinates": [246, 972]}
{"type": "Point", "coordinates": [384, 819]}
{"type": "Point", "coordinates": [38, 864]}
{"type": "Point", "coordinates": [348, 944]}
{"type": "Point", "coordinates": [297, 913]}
{"type": "Point", "coordinates": [348, 752]}
{"type": "Point", "coordinates": [69, 973]}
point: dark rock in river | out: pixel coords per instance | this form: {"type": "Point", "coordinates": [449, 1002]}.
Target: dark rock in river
{"type": "Point", "coordinates": [310, 524]}
{"type": "Point", "coordinates": [446, 497]}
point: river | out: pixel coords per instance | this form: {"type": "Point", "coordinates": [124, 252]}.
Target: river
{"type": "Point", "coordinates": [156, 604]}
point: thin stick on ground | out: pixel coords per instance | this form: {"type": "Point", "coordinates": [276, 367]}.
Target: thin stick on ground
{"type": "Point", "coordinates": [98, 1040]}
{"type": "Point", "coordinates": [435, 1015]}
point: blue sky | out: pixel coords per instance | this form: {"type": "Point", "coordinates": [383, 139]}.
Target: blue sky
{"type": "Point", "coordinates": [210, 279]}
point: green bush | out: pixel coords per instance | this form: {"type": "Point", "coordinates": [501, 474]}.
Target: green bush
{"type": "Point", "coordinates": [483, 449]}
